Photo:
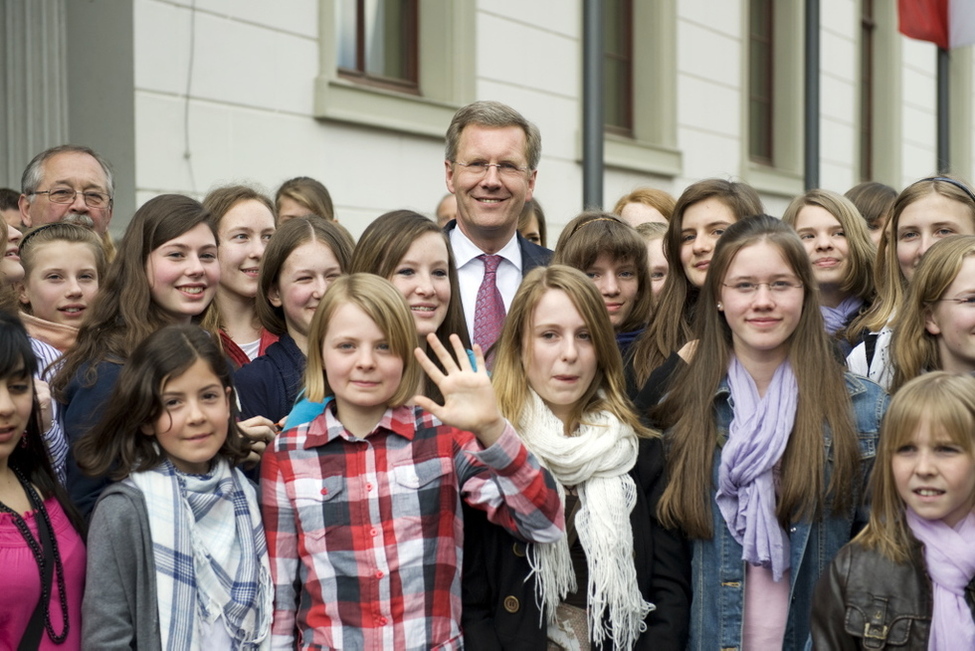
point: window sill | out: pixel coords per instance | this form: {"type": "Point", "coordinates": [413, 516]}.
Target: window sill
{"type": "Point", "coordinates": [345, 101]}
{"type": "Point", "coordinates": [773, 181]}
{"type": "Point", "coordinates": [628, 154]}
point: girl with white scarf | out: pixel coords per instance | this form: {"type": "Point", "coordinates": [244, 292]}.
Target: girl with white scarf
{"type": "Point", "coordinates": [177, 555]}
{"type": "Point", "coordinates": [618, 580]}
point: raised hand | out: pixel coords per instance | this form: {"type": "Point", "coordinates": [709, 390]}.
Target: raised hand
{"type": "Point", "coordinates": [469, 402]}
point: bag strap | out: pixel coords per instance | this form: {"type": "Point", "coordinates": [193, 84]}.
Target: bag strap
{"type": "Point", "coordinates": [870, 346]}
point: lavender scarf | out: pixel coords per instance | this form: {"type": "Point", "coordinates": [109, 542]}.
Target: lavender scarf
{"type": "Point", "coordinates": [757, 437]}
{"type": "Point", "coordinates": [838, 317]}
{"type": "Point", "coordinates": [949, 553]}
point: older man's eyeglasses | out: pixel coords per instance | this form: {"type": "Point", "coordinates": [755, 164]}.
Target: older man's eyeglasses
{"type": "Point", "coordinates": [480, 168]}
{"type": "Point", "coordinates": [93, 199]}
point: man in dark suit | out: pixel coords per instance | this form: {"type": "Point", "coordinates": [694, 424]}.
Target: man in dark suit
{"type": "Point", "coordinates": [492, 155]}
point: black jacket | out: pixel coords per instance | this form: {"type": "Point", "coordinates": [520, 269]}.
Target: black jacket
{"type": "Point", "coordinates": [269, 385]}
{"type": "Point", "coordinates": [500, 611]}
{"type": "Point", "coordinates": [867, 601]}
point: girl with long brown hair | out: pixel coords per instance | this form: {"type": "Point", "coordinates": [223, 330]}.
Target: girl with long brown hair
{"type": "Point", "coordinates": [704, 211]}
{"type": "Point", "coordinates": [769, 443]}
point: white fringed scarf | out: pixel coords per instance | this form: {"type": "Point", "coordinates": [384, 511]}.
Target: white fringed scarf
{"type": "Point", "coordinates": [596, 460]}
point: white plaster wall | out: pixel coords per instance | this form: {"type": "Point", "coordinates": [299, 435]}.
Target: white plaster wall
{"type": "Point", "coordinates": [709, 90]}
{"type": "Point", "coordinates": [919, 118]}
{"type": "Point", "coordinates": [839, 91]}
{"type": "Point", "coordinates": [249, 116]}
{"type": "Point", "coordinates": [529, 57]}
{"type": "Point", "coordinates": [250, 113]}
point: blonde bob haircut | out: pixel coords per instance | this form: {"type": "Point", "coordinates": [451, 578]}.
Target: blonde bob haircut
{"type": "Point", "coordinates": [382, 303]}
{"type": "Point", "coordinates": [913, 349]}
{"type": "Point", "coordinates": [945, 402]}
{"type": "Point", "coordinates": [859, 274]}
{"type": "Point", "coordinates": [594, 233]}
{"type": "Point", "coordinates": [891, 283]}
{"type": "Point", "coordinates": [514, 351]}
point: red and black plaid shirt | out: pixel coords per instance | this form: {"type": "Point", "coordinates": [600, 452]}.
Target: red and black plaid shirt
{"type": "Point", "coordinates": [366, 534]}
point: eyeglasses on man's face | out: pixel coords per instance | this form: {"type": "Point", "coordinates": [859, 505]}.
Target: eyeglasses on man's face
{"type": "Point", "coordinates": [481, 168]}
{"type": "Point", "coordinates": [93, 199]}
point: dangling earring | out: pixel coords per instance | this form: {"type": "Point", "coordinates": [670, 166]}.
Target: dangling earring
{"type": "Point", "coordinates": [23, 440]}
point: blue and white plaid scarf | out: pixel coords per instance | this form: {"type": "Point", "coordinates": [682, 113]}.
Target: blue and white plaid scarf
{"type": "Point", "coordinates": [210, 556]}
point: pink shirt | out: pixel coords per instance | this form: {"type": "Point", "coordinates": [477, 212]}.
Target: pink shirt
{"type": "Point", "coordinates": [766, 608]}
{"type": "Point", "coordinates": [766, 602]}
{"type": "Point", "coordinates": [22, 580]}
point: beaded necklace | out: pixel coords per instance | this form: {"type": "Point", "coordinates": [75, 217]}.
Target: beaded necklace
{"type": "Point", "coordinates": [44, 530]}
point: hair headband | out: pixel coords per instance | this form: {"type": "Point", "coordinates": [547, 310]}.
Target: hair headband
{"type": "Point", "coordinates": [614, 220]}
{"type": "Point", "coordinates": [958, 184]}
{"type": "Point", "coordinates": [34, 231]}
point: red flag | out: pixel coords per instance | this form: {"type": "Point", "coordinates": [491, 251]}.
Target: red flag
{"type": "Point", "coordinates": [948, 23]}
{"type": "Point", "coordinates": [926, 20]}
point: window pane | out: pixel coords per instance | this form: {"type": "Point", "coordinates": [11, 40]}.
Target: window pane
{"type": "Point", "coordinates": [759, 135]}
{"type": "Point", "coordinates": [387, 29]}
{"type": "Point", "coordinates": [345, 11]}
{"type": "Point", "coordinates": [614, 109]}
{"type": "Point", "coordinates": [760, 83]}
{"type": "Point", "coordinates": [617, 64]}
{"type": "Point", "coordinates": [760, 62]}
{"type": "Point", "coordinates": [760, 18]}
{"type": "Point", "coordinates": [614, 28]}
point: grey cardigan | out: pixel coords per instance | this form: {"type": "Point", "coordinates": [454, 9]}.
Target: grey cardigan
{"type": "Point", "coordinates": [119, 608]}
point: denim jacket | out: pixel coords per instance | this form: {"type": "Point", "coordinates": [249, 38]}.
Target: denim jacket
{"type": "Point", "coordinates": [718, 579]}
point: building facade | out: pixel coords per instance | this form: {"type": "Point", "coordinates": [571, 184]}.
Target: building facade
{"type": "Point", "coordinates": [184, 95]}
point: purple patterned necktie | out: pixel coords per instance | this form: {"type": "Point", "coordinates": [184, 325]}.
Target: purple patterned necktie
{"type": "Point", "coordinates": [489, 310]}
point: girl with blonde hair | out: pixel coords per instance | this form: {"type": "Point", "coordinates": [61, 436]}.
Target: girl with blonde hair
{"type": "Point", "coordinates": [907, 581]}
{"type": "Point", "coordinates": [63, 264]}
{"type": "Point", "coordinates": [362, 501]}
{"type": "Point", "coordinates": [924, 212]}
{"type": "Point", "coordinates": [842, 255]}
{"type": "Point", "coordinates": [933, 329]}
{"type": "Point", "coordinates": [619, 580]}
{"type": "Point", "coordinates": [645, 205]}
